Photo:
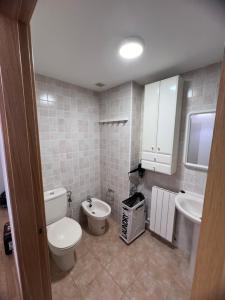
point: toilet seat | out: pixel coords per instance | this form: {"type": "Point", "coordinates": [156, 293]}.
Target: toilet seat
{"type": "Point", "coordinates": [64, 234]}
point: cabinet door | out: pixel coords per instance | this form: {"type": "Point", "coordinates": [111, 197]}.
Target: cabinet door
{"type": "Point", "coordinates": [148, 165]}
{"type": "Point", "coordinates": [151, 104]}
{"type": "Point", "coordinates": [167, 114]}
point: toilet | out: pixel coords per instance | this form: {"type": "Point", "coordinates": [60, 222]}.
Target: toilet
{"type": "Point", "coordinates": [63, 233]}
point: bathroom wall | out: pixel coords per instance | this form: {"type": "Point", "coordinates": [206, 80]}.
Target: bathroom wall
{"type": "Point", "coordinates": [136, 123]}
{"type": "Point", "coordinates": [115, 145]}
{"type": "Point", "coordinates": [89, 158]}
{"type": "Point", "coordinates": [80, 154]}
{"type": "Point", "coordinates": [200, 92]}
{"type": "Point", "coordinates": [69, 138]}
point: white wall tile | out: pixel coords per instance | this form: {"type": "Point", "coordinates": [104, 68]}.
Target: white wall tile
{"type": "Point", "coordinates": [115, 144]}
{"type": "Point", "coordinates": [203, 84]}
{"type": "Point", "coordinates": [89, 158]}
{"type": "Point", "coordinates": [69, 138]}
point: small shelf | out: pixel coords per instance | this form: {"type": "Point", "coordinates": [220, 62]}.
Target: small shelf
{"type": "Point", "coordinates": [113, 121]}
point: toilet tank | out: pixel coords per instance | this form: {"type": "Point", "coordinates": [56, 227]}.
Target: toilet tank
{"type": "Point", "coordinates": [55, 205]}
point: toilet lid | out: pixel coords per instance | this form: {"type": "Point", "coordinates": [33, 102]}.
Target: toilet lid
{"type": "Point", "coordinates": [64, 233]}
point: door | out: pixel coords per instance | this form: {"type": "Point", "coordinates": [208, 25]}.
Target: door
{"type": "Point", "coordinates": [167, 115]}
{"type": "Point", "coordinates": [209, 277]}
{"type": "Point", "coordinates": [21, 155]}
{"type": "Point", "coordinates": [151, 104]}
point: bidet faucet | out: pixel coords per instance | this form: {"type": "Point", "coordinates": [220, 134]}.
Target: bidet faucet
{"type": "Point", "coordinates": [89, 200]}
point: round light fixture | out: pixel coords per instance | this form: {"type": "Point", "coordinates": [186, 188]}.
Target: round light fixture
{"type": "Point", "coordinates": [131, 48]}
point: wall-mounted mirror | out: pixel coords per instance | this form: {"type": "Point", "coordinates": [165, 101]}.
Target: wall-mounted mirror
{"type": "Point", "coordinates": [199, 132]}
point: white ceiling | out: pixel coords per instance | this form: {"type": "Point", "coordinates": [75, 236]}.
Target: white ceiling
{"type": "Point", "coordinates": [77, 40]}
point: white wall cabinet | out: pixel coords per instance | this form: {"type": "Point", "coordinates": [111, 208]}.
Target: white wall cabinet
{"type": "Point", "coordinates": [161, 124]}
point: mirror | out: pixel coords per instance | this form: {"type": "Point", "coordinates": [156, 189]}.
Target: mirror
{"type": "Point", "coordinates": [199, 132]}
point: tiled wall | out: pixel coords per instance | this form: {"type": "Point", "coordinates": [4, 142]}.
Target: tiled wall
{"type": "Point", "coordinates": [137, 101]}
{"type": "Point", "coordinates": [120, 143]}
{"type": "Point", "coordinates": [89, 158]}
{"type": "Point", "coordinates": [69, 138]}
{"type": "Point", "coordinates": [200, 92]}
{"type": "Point", "coordinates": [115, 145]}
{"type": "Point", "coordinates": [137, 94]}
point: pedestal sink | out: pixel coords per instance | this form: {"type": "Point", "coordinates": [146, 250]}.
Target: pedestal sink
{"type": "Point", "coordinates": [191, 205]}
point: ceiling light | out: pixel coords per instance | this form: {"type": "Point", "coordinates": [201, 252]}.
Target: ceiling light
{"type": "Point", "coordinates": [131, 48]}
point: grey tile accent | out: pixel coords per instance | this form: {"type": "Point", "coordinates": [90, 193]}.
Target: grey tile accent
{"type": "Point", "coordinates": [89, 158]}
{"type": "Point", "coordinates": [69, 138]}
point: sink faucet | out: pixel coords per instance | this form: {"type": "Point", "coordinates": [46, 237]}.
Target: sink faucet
{"type": "Point", "coordinates": [89, 200]}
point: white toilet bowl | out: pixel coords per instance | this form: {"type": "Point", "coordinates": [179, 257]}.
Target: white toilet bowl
{"type": "Point", "coordinates": [96, 214]}
{"type": "Point", "coordinates": [63, 236]}
{"type": "Point", "coordinates": [63, 233]}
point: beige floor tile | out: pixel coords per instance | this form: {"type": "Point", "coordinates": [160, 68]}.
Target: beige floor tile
{"type": "Point", "coordinates": [147, 287]}
{"type": "Point", "coordinates": [157, 283]}
{"type": "Point", "coordinates": [179, 293]}
{"type": "Point", "coordinates": [124, 297]}
{"type": "Point", "coordinates": [124, 269]}
{"type": "Point", "coordinates": [105, 252]}
{"type": "Point", "coordinates": [103, 287]}
{"type": "Point", "coordinates": [106, 246]}
{"type": "Point", "coordinates": [85, 270]}
{"type": "Point", "coordinates": [65, 289]}
{"type": "Point", "coordinates": [107, 268]}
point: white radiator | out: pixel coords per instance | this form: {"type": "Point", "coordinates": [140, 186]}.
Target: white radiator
{"type": "Point", "coordinates": [162, 213]}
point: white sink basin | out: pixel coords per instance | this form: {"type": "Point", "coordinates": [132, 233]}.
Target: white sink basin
{"type": "Point", "coordinates": [191, 205]}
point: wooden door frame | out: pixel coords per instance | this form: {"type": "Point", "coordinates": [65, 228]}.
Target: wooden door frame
{"type": "Point", "coordinates": [21, 157]}
{"type": "Point", "coordinates": [209, 277]}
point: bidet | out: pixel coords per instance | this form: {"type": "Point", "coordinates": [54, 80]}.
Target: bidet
{"type": "Point", "coordinates": [89, 200]}
{"type": "Point", "coordinates": [96, 213]}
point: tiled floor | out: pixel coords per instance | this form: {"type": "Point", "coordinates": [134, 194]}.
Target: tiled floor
{"type": "Point", "coordinates": [106, 268]}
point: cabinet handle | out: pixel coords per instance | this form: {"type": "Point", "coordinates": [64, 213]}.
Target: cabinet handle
{"type": "Point", "coordinates": [152, 148]}
{"type": "Point", "coordinates": [154, 159]}
{"type": "Point", "coordinates": [158, 148]}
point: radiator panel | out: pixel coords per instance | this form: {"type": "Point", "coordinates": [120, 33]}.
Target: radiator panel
{"type": "Point", "coordinates": [162, 213]}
